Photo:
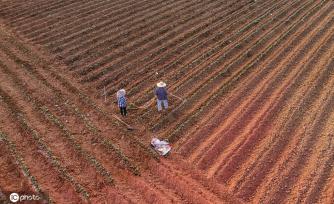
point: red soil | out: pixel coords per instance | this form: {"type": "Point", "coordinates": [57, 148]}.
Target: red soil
{"type": "Point", "coordinates": [254, 123]}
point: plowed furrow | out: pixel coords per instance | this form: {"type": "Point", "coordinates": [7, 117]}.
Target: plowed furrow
{"type": "Point", "coordinates": [27, 16]}
{"type": "Point", "coordinates": [293, 100]}
{"type": "Point", "coordinates": [183, 53]}
{"type": "Point", "coordinates": [324, 175]}
{"type": "Point", "coordinates": [310, 173]}
{"type": "Point", "coordinates": [73, 20]}
{"type": "Point", "coordinates": [65, 16]}
{"type": "Point", "coordinates": [243, 51]}
{"type": "Point", "coordinates": [137, 48]}
{"type": "Point", "coordinates": [139, 25]}
{"type": "Point", "coordinates": [236, 102]}
{"type": "Point", "coordinates": [204, 70]}
{"type": "Point", "coordinates": [16, 7]}
{"type": "Point", "coordinates": [195, 89]}
{"type": "Point", "coordinates": [179, 48]}
{"type": "Point", "coordinates": [65, 155]}
{"type": "Point", "coordinates": [181, 168]}
{"type": "Point", "coordinates": [8, 7]}
{"type": "Point", "coordinates": [11, 7]}
{"type": "Point", "coordinates": [219, 76]}
{"type": "Point", "coordinates": [31, 26]}
{"type": "Point", "coordinates": [42, 107]}
{"type": "Point", "coordinates": [297, 160]}
{"type": "Point", "coordinates": [77, 23]}
{"type": "Point", "coordinates": [327, 196]}
{"type": "Point", "coordinates": [152, 190]}
{"type": "Point", "coordinates": [250, 116]}
{"type": "Point", "coordinates": [185, 188]}
{"type": "Point", "coordinates": [60, 103]}
{"type": "Point", "coordinates": [51, 74]}
{"type": "Point", "coordinates": [104, 33]}
{"type": "Point", "coordinates": [43, 112]}
{"type": "Point", "coordinates": [129, 47]}
{"type": "Point", "coordinates": [255, 176]}
{"type": "Point", "coordinates": [13, 180]}
{"type": "Point", "coordinates": [43, 175]}
{"type": "Point", "coordinates": [21, 163]}
{"type": "Point", "coordinates": [40, 148]}
{"type": "Point", "coordinates": [236, 127]}
{"type": "Point", "coordinates": [80, 46]}
{"type": "Point", "coordinates": [15, 15]}
{"type": "Point", "coordinates": [104, 21]}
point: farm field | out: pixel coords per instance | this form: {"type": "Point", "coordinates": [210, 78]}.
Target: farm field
{"type": "Point", "coordinates": [251, 93]}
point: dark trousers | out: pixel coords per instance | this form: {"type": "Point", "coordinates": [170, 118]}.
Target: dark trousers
{"type": "Point", "coordinates": [123, 110]}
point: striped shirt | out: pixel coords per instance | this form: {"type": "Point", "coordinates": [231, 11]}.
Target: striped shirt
{"type": "Point", "coordinates": [122, 101]}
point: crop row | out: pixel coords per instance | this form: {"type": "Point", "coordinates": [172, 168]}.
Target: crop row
{"type": "Point", "coordinates": [22, 164]}
{"type": "Point", "coordinates": [96, 10]}
{"type": "Point", "coordinates": [90, 126]}
{"type": "Point", "coordinates": [16, 7]}
{"type": "Point", "coordinates": [105, 142]}
{"type": "Point", "coordinates": [154, 35]}
{"type": "Point", "coordinates": [326, 170]}
{"type": "Point", "coordinates": [304, 73]}
{"type": "Point", "coordinates": [311, 183]}
{"type": "Point", "coordinates": [185, 186]}
{"type": "Point", "coordinates": [280, 142]}
{"type": "Point", "coordinates": [19, 12]}
{"type": "Point", "coordinates": [220, 25]}
{"type": "Point", "coordinates": [216, 48]}
{"type": "Point", "coordinates": [297, 163]}
{"type": "Point", "coordinates": [267, 70]}
{"type": "Point", "coordinates": [62, 99]}
{"type": "Point", "coordinates": [54, 160]}
{"type": "Point", "coordinates": [22, 17]}
{"type": "Point", "coordinates": [19, 115]}
{"type": "Point", "coordinates": [263, 35]}
{"type": "Point", "coordinates": [203, 73]}
{"type": "Point", "coordinates": [243, 72]}
{"type": "Point", "coordinates": [251, 141]}
{"type": "Point", "coordinates": [38, 105]}
{"type": "Point", "coordinates": [65, 15]}
{"type": "Point", "coordinates": [182, 42]}
{"type": "Point", "coordinates": [74, 90]}
{"type": "Point", "coordinates": [158, 33]}
{"type": "Point", "coordinates": [268, 109]}
{"type": "Point", "coordinates": [80, 29]}
{"type": "Point", "coordinates": [110, 34]}
{"type": "Point", "coordinates": [277, 14]}
{"type": "Point", "coordinates": [90, 158]}
{"type": "Point", "coordinates": [190, 67]}
{"type": "Point", "coordinates": [289, 92]}
{"type": "Point", "coordinates": [100, 58]}
{"type": "Point", "coordinates": [24, 23]}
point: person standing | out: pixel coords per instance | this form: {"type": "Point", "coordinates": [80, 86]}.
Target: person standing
{"type": "Point", "coordinates": [121, 100]}
{"type": "Point", "coordinates": [161, 94]}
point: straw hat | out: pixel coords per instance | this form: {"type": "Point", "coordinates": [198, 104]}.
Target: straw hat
{"type": "Point", "coordinates": [161, 84]}
{"type": "Point", "coordinates": [121, 93]}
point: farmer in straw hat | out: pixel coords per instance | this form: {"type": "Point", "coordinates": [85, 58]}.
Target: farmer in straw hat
{"type": "Point", "coordinates": [121, 100]}
{"type": "Point", "coordinates": [161, 94]}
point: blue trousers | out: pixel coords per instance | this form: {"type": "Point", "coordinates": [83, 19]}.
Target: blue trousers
{"type": "Point", "coordinates": [159, 104]}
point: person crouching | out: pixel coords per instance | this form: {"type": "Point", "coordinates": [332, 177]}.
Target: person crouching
{"type": "Point", "coordinates": [121, 100]}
